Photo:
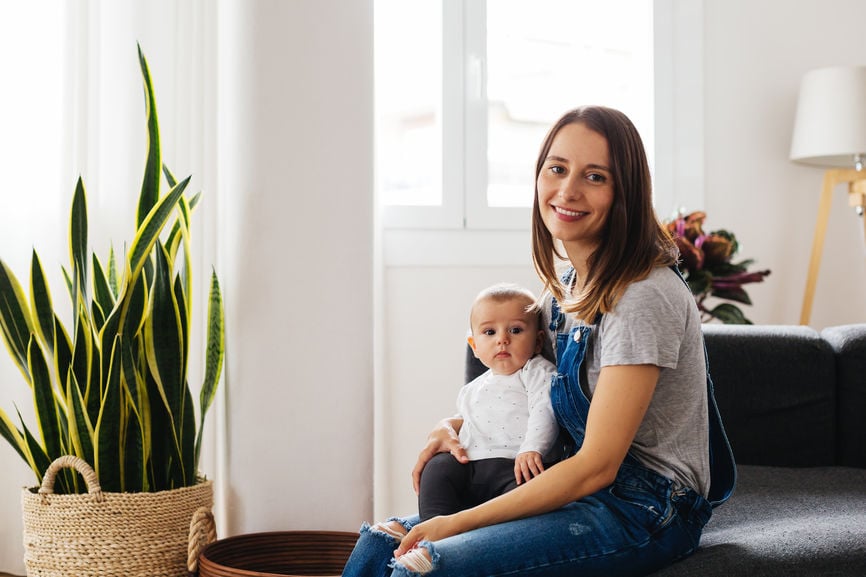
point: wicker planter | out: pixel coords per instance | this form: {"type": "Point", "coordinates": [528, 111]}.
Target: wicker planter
{"type": "Point", "coordinates": [100, 534]}
{"type": "Point", "coordinates": [293, 553]}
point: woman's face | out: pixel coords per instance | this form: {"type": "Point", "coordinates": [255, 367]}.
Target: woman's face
{"type": "Point", "coordinates": [575, 188]}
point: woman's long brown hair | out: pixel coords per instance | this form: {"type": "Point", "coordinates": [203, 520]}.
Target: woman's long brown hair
{"type": "Point", "coordinates": [633, 241]}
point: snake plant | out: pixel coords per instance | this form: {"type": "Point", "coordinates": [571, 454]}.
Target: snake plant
{"type": "Point", "coordinates": [112, 386]}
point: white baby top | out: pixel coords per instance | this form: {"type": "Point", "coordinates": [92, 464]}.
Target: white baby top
{"type": "Point", "coordinates": [504, 415]}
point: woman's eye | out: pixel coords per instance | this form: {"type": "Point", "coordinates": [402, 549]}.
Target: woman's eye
{"type": "Point", "coordinates": [557, 170]}
{"type": "Point", "coordinates": [596, 177]}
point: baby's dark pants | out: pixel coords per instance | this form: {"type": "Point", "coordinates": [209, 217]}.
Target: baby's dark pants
{"type": "Point", "coordinates": [448, 486]}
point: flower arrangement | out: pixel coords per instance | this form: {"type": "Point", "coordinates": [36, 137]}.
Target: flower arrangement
{"type": "Point", "coordinates": [705, 261]}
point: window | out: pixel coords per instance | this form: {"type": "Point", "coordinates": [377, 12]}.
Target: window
{"type": "Point", "coordinates": [465, 91]}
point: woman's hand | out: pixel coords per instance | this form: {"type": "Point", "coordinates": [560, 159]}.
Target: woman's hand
{"type": "Point", "coordinates": [442, 439]}
{"type": "Point", "coordinates": [431, 530]}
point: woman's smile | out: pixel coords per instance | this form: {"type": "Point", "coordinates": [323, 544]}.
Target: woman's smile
{"type": "Point", "coordinates": [567, 214]}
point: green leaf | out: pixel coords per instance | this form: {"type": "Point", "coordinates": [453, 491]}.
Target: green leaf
{"type": "Point", "coordinates": [40, 296]}
{"type": "Point", "coordinates": [113, 282]}
{"type": "Point", "coordinates": [164, 348]}
{"type": "Point", "coordinates": [214, 355]}
{"type": "Point", "coordinates": [82, 365]}
{"type": "Point", "coordinates": [148, 233]}
{"type": "Point", "coordinates": [134, 479]}
{"type": "Point", "coordinates": [14, 318]}
{"type": "Point", "coordinates": [80, 426]}
{"type": "Point", "coordinates": [44, 402]}
{"type": "Point", "coordinates": [108, 457]}
{"type": "Point", "coordinates": [138, 422]}
{"type": "Point", "coordinates": [150, 183]}
{"type": "Point", "coordinates": [733, 294]}
{"type": "Point", "coordinates": [102, 293]}
{"type": "Point", "coordinates": [188, 439]}
{"type": "Point", "coordinates": [62, 351]}
{"type": "Point", "coordinates": [164, 336]}
{"type": "Point", "coordinates": [162, 438]}
{"type": "Point", "coordinates": [40, 459]}
{"type": "Point", "coordinates": [180, 232]}
{"type": "Point", "coordinates": [134, 303]}
{"type": "Point", "coordinates": [730, 315]}
{"type": "Point", "coordinates": [169, 177]}
{"type": "Point", "coordinates": [15, 438]}
{"type": "Point", "coordinates": [96, 315]}
{"type": "Point", "coordinates": [78, 236]}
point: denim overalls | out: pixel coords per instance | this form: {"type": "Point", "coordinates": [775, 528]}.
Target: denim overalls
{"type": "Point", "coordinates": [639, 524]}
{"type": "Point", "coordinates": [571, 406]}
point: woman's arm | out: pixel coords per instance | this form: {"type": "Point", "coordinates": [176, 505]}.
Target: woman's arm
{"type": "Point", "coordinates": [442, 439]}
{"type": "Point", "coordinates": [618, 406]}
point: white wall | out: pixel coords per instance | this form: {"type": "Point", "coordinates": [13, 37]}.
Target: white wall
{"type": "Point", "coordinates": [296, 179]}
{"type": "Point", "coordinates": [754, 54]}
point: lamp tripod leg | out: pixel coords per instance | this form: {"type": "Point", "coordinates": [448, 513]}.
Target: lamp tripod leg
{"type": "Point", "coordinates": [817, 247]}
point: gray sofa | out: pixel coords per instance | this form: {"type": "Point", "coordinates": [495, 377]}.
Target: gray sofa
{"type": "Point", "coordinates": [793, 401]}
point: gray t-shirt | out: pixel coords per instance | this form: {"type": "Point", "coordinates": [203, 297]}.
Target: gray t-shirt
{"type": "Point", "coordinates": [657, 322]}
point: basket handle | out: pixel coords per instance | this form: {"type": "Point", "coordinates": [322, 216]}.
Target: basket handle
{"type": "Point", "coordinates": [79, 465]}
{"type": "Point", "coordinates": [202, 531]}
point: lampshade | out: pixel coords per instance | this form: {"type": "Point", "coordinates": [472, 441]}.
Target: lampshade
{"type": "Point", "coordinates": [830, 126]}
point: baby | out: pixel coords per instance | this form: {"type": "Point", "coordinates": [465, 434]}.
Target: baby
{"type": "Point", "coordinates": [508, 422]}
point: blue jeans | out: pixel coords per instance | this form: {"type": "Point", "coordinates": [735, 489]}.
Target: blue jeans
{"type": "Point", "coordinates": [639, 524]}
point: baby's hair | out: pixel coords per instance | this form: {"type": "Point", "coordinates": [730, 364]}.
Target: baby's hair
{"type": "Point", "coordinates": [504, 292]}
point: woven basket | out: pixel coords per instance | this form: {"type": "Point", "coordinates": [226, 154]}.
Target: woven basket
{"type": "Point", "coordinates": [278, 553]}
{"type": "Point", "coordinates": [114, 534]}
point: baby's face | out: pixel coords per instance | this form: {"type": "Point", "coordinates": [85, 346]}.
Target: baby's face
{"type": "Point", "coordinates": [504, 335]}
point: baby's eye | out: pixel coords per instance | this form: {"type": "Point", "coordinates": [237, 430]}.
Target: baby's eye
{"type": "Point", "coordinates": [489, 332]}
{"type": "Point", "coordinates": [515, 330]}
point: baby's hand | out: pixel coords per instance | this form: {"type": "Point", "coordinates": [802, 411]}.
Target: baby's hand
{"type": "Point", "coordinates": [527, 465]}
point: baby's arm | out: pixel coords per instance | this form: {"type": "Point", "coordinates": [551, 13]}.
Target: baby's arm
{"type": "Point", "coordinates": [541, 427]}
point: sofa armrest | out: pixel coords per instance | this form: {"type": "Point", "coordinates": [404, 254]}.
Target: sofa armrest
{"type": "Point", "coordinates": [849, 344]}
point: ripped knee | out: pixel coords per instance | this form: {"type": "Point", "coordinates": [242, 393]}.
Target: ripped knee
{"type": "Point", "coordinates": [417, 560]}
{"type": "Point", "coordinates": [391, 528]}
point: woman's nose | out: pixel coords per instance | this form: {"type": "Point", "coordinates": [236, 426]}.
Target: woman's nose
{"type": "Point", "coordinates": [569, 189]}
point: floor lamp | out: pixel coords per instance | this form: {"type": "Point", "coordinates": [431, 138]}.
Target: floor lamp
{"type": "Point", "coordinates": [830, 132]}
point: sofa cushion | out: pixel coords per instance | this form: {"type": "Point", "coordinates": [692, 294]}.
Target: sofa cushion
{"type": "Point", "coordinates": [785, 522]}
{"type": "Point", "coordinates": [775, 389]}
{"type": "Point", "coordinates": [849, 344]}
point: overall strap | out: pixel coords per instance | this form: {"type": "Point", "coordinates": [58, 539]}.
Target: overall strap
{"type": "Point", "coordinates": [723, 468]}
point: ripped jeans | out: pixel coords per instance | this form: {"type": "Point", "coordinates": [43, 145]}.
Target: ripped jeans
{"type": "Point", "coordinates": [636, 526]}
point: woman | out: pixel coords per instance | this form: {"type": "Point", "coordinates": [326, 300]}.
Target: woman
{"type": "Point", "coordinates": [631, 390]}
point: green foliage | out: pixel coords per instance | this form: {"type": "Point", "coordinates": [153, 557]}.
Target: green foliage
{"type": "Point", "coordinates": [113, 389]}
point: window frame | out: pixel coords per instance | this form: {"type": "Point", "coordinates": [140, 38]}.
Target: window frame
{"type": "Point", "coordinates": [464, 229]}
